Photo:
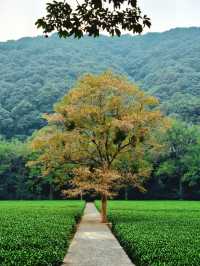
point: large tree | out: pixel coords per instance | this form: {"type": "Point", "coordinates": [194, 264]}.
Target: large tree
{"type": "Point", "coordinates": [102, 120]}
{"type": "Point", "coordinates": [93, 16]}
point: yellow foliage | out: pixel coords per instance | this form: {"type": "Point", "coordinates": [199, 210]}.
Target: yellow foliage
{"type": "Point", "coordinates": [101, 119]}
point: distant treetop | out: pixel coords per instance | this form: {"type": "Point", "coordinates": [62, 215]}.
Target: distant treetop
{"type": "Point", "coordinates": [93, 16]}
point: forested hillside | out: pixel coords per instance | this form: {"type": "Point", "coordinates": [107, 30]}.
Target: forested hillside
{"type": "Point", "coordinates": [35, 72]}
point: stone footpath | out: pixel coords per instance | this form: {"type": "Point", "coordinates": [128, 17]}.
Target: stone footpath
{"type": "Point", "coordinates": [94, 244]}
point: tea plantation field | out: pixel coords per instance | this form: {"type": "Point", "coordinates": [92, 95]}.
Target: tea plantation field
{"type": "Point", "coordinates": [156, 233]}
{"type": "Point", "coordinates": [36, 233]}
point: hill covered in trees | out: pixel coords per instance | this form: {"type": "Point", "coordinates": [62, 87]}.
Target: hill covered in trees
{"type": "Point", "coordinates": [36, 72]}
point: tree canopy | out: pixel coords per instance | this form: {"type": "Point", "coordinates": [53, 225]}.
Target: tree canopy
{"type": "Point", "coordinates": [100, 121]}
{"type": "Point", "coordinates": [93, 16]}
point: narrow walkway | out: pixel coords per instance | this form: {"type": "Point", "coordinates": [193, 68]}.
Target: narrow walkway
{"type": "Point", "coordinates": [94, 244]}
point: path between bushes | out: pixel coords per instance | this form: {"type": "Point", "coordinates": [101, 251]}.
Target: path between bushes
{"type": "Point", "coordinates": [94, 244]}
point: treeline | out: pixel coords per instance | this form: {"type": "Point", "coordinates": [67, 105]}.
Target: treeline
{"type": "Point", "coordinates": [36, 72]}
{"type": "Point", "coordinates": [17, 180]}
{"type": "Point", "coordinates": [175, 169]}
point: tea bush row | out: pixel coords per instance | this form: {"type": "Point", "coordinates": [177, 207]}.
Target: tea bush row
{"type": "Point", "coordinates": [158, 233]}
{"type": "Point", "coordinates": [37, 233]}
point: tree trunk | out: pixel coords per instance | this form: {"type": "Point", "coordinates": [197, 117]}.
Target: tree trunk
{"type": "Point", "coordinates": [104, 209]}
{"type": "Point", "coordinates": [126, 193]}
{"type": "Point", "coordinates": [50, 191]}
{"type": "Point", "coordinates": [180, 190]}
{"type": "Point", "coordinates": [81, 195]}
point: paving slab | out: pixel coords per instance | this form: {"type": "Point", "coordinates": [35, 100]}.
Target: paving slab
{"type": "Point", "coordinates": [94, 244]}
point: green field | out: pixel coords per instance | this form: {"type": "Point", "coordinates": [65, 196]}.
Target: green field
{"type": "Point", "coordinates": [36, 232]}
{"type": "Point", "coordinates": [153, 233]}
{"type": "Point", "coordinates": [156, 233]}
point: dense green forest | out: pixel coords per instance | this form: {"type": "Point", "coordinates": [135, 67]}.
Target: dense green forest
{"type": "Point", "coordinates": [36, 72]}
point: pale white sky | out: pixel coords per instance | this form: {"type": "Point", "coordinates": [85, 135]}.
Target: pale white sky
{"type": "Point", "coordinates": [17, 17]}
